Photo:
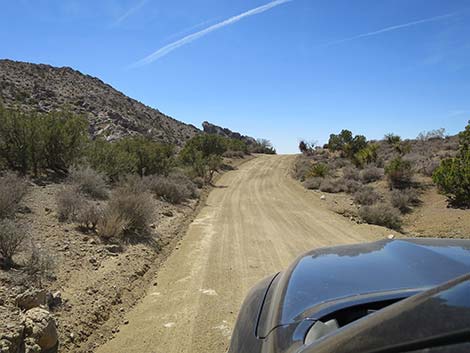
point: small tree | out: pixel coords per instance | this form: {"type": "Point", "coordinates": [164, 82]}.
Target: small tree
{"type": "Point", "coordinates": [453, 176]}
{"type": "Point", "coordinates": [399, 173]}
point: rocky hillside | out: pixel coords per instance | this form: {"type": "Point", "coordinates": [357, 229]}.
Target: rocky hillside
{"type": "Point", "coordinates": [224, 132]}
{"type": "Point", "coordinates": [111, 114]}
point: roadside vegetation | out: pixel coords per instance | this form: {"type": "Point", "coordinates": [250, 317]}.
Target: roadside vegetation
{"type": "Point", "coordinates": [386, 179]}
{"type": "Point", "coordinates": [69, 202]}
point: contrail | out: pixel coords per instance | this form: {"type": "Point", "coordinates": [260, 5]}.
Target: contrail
{"type": "Point", "coordinates": [130, 12]}
{"type": "Point", "coordinates": [192, 37]}
{"type": "Point", "coordinates": [390, 29]}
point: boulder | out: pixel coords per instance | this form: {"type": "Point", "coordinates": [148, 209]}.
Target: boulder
{"type": "Point", "coordinates": [40, 330]}
{"type": "Point", "coordinates": [32, 298]}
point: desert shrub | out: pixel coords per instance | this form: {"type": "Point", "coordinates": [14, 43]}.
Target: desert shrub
{"type": "Point", "coordinates": [392, 139]}
{"type": "Point", "coordinates": [330, 185]}
{"type": "Point", "coordinates": [89, 182]}
{"type": "Point", "coordinates": [89, 215]}
{"type": "Point", "coordinates": [320, 170]}
{"type": "Point", "coordinates": [313, 183]}
{"type": "Point", "coordinates": [12, 191]}
{"type": "Point", "coordinates": [69, 202]}
{"type": "Point", "coordinates": [429, 167]}
{"type": "Point", "coordinates": [366, 196]}
{"type": "Point", "coordinates": [39, 264]}
{"type": "Point", "coordinates": [12, 238]}
{"type": "Point", "coordinates": [234, 154]}
{"type": "Point", "coordinates": [338, 163]}
{"type": "Point", "coordinates": [301, 168]}
{"type": "Point", "coordinates": [307, 148]}
{"type": "Point", "coordinates": [131, 155]}
{"type": "Point", "coordinates": [112, 225]}
{"type": "Point", "coordinates": [350, 186]}
{"type": "Point", "coordinates": [170, 189]}
{"type": "Point", "coordinates": [399, 173]}
{"type": "Point", "coordinates": [382, 215]}
{"type": "Point", "coordinates": [186, 182]}
{"type": "Point", "coordinates": [366, 155]}
{"type": "Point", "coordinates": [262, 146]}
{"type": "Point", "coordinates": [199, 182]}
{"type": "Point", "coordinates": [433, 134]}
{"type": "Point", "coordinates": [453, 176]}
{"type": "Point", "coordinates": [371, 174]}
{"type": "Point", "coordinates": [203, 153]}
{"type": "Point", "coordinates": [34, 141]}
{"type": "Point", "coordinates": [134, 209]}
{"type": "Point", "coordinates": [351, 173]}
{"type": "Point", "coordinates": [346, 143]}
{"type": "Point", "coordinates": [402, 200]}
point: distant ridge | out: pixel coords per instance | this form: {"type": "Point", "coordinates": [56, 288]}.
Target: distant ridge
{"type": "Point", "coordinates": [112, 115]}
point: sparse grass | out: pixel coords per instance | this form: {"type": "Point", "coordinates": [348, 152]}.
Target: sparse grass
{"type": "Point", "coordinates": [381, 214]}
{"type": "Point", "coordinates": [12, 191]}
{"type": "Point", "coordinates": [89, 182]}
{"type": "Point", "coordinates": [366, 196]}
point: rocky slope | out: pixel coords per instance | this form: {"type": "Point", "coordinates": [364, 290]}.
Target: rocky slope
{"type": "Point", "coordinates": [37, 87]}
{"type": "Point", "coordinates": [224, 132]}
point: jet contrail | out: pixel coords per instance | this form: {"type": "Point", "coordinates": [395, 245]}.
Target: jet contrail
{"type": "Point", "coordinates": [389, 29]}
{"type": "Point", "coordinates": [130, 12]}
{"type": "Point", "coordinates": [192, 37]}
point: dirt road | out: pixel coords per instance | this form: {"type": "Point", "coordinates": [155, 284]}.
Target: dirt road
{"type": "Point", "coordinates": [255, 223]}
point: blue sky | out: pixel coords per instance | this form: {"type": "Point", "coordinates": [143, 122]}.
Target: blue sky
{"type": "Point", "coordinates": [288, 70]}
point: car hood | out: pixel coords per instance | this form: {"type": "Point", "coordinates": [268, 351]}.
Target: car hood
{"type": "Point", "coordinates": [331, 274]}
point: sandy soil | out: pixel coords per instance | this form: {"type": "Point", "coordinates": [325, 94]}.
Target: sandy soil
{"type": "Point", "coordinates": [256, 221]}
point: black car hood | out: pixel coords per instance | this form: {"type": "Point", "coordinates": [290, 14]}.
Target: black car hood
{"type": "Point", "coordinates": [329, 274]}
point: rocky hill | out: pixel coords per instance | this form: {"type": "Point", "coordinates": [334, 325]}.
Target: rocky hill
{"type": "Point", "coordinates": [44, 88]}
{"type": "Point", "coordinates": [224, 132]}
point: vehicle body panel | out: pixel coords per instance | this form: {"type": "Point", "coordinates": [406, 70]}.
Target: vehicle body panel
{"type": "Point", "coordinates": [325, 280]}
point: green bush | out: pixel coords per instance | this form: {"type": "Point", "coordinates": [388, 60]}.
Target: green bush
{"type": "Point", "coordinates": [31, 142]}
{"type": "Point", "coordinates": [319, 170]}
{"type": "Point", "coordinates": [131, 155]}
{"type": "Point", "coordinates": [346, 143]}
{"type": "Point", "coordinates": [399, 173]}
{"type": "Point", "coordinates": [203, 153]}
{"type": "Point", "coordinates": [453, 176]}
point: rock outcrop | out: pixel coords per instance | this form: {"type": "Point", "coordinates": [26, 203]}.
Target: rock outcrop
{"type": "Point", "coordinates": [217, 130]}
